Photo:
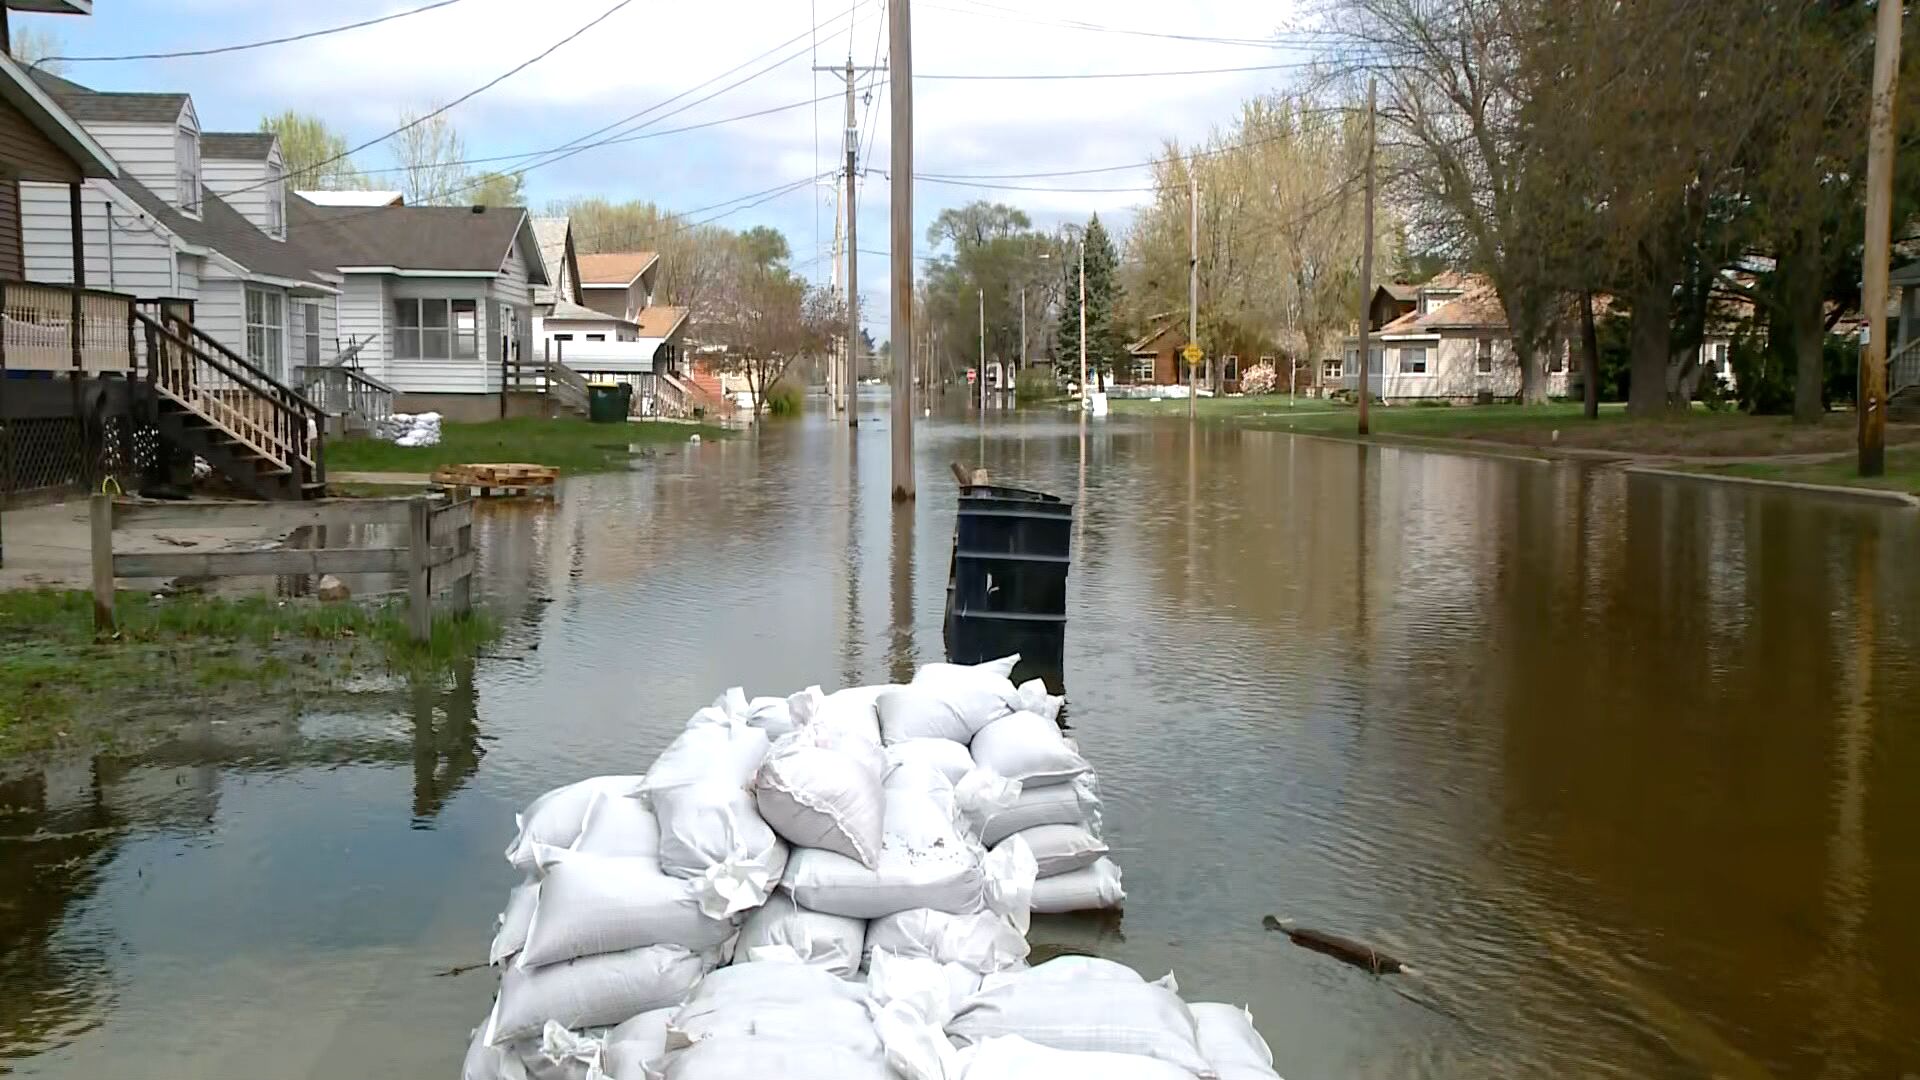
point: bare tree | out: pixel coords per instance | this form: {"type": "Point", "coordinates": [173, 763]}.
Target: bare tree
{"type": "Point", "coordinates": [315, 154]}
{"type": "Point", "coordinates": [433, 154]}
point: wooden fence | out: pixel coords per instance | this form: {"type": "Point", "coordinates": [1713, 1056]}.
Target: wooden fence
{"type": "Point", "coordinates": [438, 553]}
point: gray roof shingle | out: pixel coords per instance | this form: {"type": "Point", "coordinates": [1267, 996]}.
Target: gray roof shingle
{"type": "Point", "coordinates": [455, 238]}
{"type": "Point", "coordinates": [551, 232]}
{"type": "Point", "coordinates": [227, 231]}
{"type": "Point", "coordinates": [236, 145]}
{"type": "Point", "coordinates": [84, 104]}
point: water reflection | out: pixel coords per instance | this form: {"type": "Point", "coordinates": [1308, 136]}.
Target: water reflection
{"type": "Point", "coordinates": [1626, 767]}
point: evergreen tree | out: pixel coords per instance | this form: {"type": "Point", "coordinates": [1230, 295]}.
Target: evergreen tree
{"type": "Point", "coordinates": [1105, 344]}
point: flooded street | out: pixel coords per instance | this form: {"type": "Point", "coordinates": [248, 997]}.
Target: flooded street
{"type": "Point", "coordinates": [1628, 768]}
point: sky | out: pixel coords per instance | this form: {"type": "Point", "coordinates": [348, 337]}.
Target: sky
{"type": "Point", "coordinates": [648, 51]}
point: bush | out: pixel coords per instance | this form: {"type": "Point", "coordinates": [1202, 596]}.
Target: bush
{"type": "Point", "coordinates": [785, 399]}
{"type": "Point", "coordinates": [1259, 379]}
{"type": "Point", "coordinates": [1034, 384]}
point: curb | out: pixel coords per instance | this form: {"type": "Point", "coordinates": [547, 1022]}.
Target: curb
{"type": "Point", "coordinates": [1897, 498]}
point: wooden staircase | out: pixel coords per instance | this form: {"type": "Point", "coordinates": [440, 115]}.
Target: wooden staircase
{"type": "Point", "coordinates": [259, 433]}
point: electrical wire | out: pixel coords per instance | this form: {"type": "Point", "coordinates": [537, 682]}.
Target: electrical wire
{"type": "Point", "coordinates": [1280, 137]}
{"type": "Point", "coordinates": [218, 49]}
{"type": "Point", "coordinates": [1064, 76]}
{"type": "Point", "coordinates": [993, 11]}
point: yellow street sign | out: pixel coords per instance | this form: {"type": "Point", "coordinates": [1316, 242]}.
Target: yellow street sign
{"type": "Point", "coordinates": [1192, 354]}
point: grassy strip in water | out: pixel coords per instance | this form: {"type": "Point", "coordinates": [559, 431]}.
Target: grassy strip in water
{"type": "Point", "coordinates": [59, 685]}
{"type": "Point", "coordinates": [1903, 471]}
{"type": "Point", "coordinates": [573, 446]}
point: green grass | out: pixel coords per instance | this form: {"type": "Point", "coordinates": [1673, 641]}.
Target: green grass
{"type": "Point", "coordinates": [572, 446]}
{"type": "Point", "coordinates": [59, 685]}
{"type": "Point", "coordinates": [1903, 471]}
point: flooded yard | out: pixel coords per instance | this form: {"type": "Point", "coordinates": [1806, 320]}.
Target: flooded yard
{"type": "Point", "coordinates": [1628, 767]}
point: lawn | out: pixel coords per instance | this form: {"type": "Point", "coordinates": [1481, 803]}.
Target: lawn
{"type": "Point", "coordinates": [186, 654]}
{"type": "Point", "coordinates": [572, 446]}
{"type": "Point", "coordinates": [1903, 471]}
{"type": "Point", "coordinates": [1700, 433]}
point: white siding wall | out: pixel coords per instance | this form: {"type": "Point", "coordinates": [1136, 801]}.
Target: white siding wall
{"type": "Point", "coordinates": [144, 151]}
{"type": "Point", "coordinates": [363, 317]}
{"type": "Point", "coordinates": [477, 376]}
{"type": "Point", "coordinates": [243, 186]}
{"type": "Point", "coordinates": [192, 269]}
{"type": "Point", "coordinates": [221, 310]}
{"type": "Point", "coordinates": [143, 260]}
{"type": "Point", "coordinates": [1453, 370]}
{"type": "Point", "coordinates": [513, 286]}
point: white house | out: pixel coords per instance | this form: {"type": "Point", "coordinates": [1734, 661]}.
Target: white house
{"type": "Point", "coordinates": [165, 228]}
{"type": "Point", "coordinates": [1446, 339]}
{"type": "Point", "coordinates": [440, 299]}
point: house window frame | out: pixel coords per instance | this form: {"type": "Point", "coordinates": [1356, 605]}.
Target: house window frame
{"type": "Point", "coordinates": [310, 332]}
{"type": "Point", "coordinates": [597, 337]}
{"type": "Point", "coordinates": [187, 172]}
{"type": "Point", "coordinates": [1557, 358]}
{"type": "Point", "coordinates": [423, 338]}
{"type": "Point", "coordinates": [1147, 364]}
{"type": "Point", "coordinates": [276, 201]}
{"type": "Point", "coordinates": [1230, 368]}
{"type": "Point", "coordinates": [265, 313]}
{"type": "Point", "coordinates": [1403, 363]}
{"type": "Point", "coordinates": [1334, 370]}
{"type": "Point", "coordinates": [1483, 356]}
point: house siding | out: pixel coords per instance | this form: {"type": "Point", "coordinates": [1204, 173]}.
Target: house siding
{"type": "Point", "coordinates": [243, 185]}
{"type": "Point", "coordinates": [26, 153]}
{"type": "Point", "coordinates": [612, 302]}
{"type": "Point", "coordinates": [363, 317]}
{"type": "Point", "coordinates": [220, 312]}
{"type": "Point", "coordinates": [12, 259]}
{"type": "Point", "coordinates": [145, 152]}
{"type": "Point", "coordinates": [143, 262]}
{"type": "Point", "coordinates": [476, 376]}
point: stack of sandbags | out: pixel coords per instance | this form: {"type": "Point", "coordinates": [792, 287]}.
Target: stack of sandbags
{"type": "Point", "coordinates": [409, 429]}
{"type": "Point", "coordinates": [772, 1018]}
{"type": "Point", "coordinates": [954, 717]}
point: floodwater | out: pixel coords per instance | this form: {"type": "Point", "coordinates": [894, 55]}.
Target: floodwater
{"type": "Point", "coordinates": [1628, 768]}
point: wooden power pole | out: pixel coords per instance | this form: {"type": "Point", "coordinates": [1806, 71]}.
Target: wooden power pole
{"type": "Point", "coordinates": [1193, 285]}
{"type": "Point", "coordinates": [900, 44]}
{"type": "Point", "coordinates": [1366, 272]}
{"type": "Point", "coordinates": [1872, 405]}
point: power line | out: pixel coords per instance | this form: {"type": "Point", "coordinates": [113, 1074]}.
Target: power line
{"type": "Point", "coordinates": [1119, 74]}
{"type": "Point", "coordinates": [1280, 137]}
{"type": "Point", "coordinates": [215, 50]}
{"type": "Point", "coordinates": [993, 11]}
{"type": "Point", "coordinates": [1020, 187]}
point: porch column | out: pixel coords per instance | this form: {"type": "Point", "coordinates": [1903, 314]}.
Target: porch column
{"type": "Point", "coordinates": [78, 237]}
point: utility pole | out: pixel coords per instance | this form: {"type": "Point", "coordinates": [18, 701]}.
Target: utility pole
{"type": "Point", "coordinates": [1873, 275]}
{"type": "Point", "coordinates": [982, 372]}
{"type": "Point", "coordinates": [1366, 270]}
{"type": "Point", "coordinates": [900, 42]}
{"type": "Point", "coordinates": [1193, 286]}
{"type": "Point", "coordinates": [1023, 328]}
{"type": "Point", "coordinates": [850, 376]}
{"type": "Point", "coordinates": [839, 253]}
{"type": "Point", "coordinates": [1085, 401]}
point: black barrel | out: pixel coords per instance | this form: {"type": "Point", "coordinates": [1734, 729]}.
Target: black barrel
{"type": "Point", "coordinates": [1007, 590]}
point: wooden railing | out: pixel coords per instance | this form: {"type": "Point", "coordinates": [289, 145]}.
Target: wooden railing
{"type": "Point", "coordinates": [1903, 368]}
{"type": "Point", "coordinates": [560, 383]}
{"type": "Point", "coordinates": [243, 401]}
{"type": "Point", "coordinates": [38, 323]}
{"type": "Point", "coordinates": [359, 399]}
{"type": "Point", "coordinates": [675, 397]}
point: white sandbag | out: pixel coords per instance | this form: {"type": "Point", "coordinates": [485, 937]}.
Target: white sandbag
{"type": "Point", "coordinates": [1076, 803]}
{"type": "Point", "coordinates": [820, 787]}
{"type": "Point", "coordinates": [1106, 1015]}
{"type": "Point", "coordinates": [599, 904]}
{"type": "Point", "coordinates": [707, 824]}
{"type": "Point", "coordinates": [1000, 668]}
{"type": "Point", "coordinates": [833, 942]}
{"type": "Point", "coordinates": [1010, 1057]}
{"type": "Point", "coordinates": [750, 1058]}
{"type": "Point", "coordinates": [723, 750]}
{"type": "Point", "coordinates": [1097, 886]}
{"type": "Point", "coordinates": [924, 859]}
{"type": "Point", "coordinates": [485, 1061]}
{"type": "Point", "coordinates": [594, 990]}
{"type": "Point", "coordinates": [946, 701]}
{"type": "Point", "coordinates": [635, 1045]}
{"type": "Point", "coordinates": [619, 825]}
{"type": "Point", "coordinates": [555, 818]}
{"type": "Point", "coordinates": [1029, 748]}
{"type": "Point", "coordinates": [786, 1001]}
{"type": "Point", "coordinates": [1075, 968]}
{"type": "Point", "coordinates": [512, 934]}
{"type": "Point", "coordinates": [1228, 1040]}
{"type": "Point", "coordinates": [1061, 849]}
{"type": "Point", "coordinates": [944, 755]}
{"type": "Point", "coordinates": [851, 710]}
{"type": "Point", "coordinates": [1035, 699]}
{"type": "Point", "coordinates": [932, 990]}
{"type": "Point", "coordinates": [982, 941]}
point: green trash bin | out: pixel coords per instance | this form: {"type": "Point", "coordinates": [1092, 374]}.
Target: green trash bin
{"type": "Point", "coordinates": [607, 402]}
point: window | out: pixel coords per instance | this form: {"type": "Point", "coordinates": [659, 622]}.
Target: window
{"type": "Point", "coordinates": [1413, 361]}
{"type": "Point", "coordinates": [436, 329]}
{"type": "Point", "coordinates": [1557, 358]}
{"type": "Point", "coordinates": [266, 329]}
{"type": "Point", "coordinates": [1230, 371]}
{"type": "Point", "coordinates": [1720, 355]}
{"type": "Point", "coordinates": [563, 337]}
{"type": "Point", "coordinates": [1483, 356]}
{"type": "Point", "coordinates": [1142, 369]}
{"type": "Point", "coordinates": [187, 154]}
{"type": "Point", "coordinates": [596, 337]}
{"type": "Point", "coordinates": [1332, 370]}
{"type": "Point", "coordinates": [310, 332]}
{"type": "Point", "coordinates": [1376, 362]}
{"type": "Point", "coordinates": [276, 201]}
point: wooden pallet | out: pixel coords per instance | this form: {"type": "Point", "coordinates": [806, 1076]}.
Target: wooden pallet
{"type": "Point", "coordinates": [497, 478]}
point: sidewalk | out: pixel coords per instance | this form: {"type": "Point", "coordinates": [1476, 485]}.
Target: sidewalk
{"type": "Point", "coordinates": [51, 547]}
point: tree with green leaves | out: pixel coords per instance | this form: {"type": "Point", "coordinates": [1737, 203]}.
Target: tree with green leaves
{"type": "Point", "coordinates": [1106, 343]}
{"type": "Point", "coordinates": [315, 154]}
{"type": "Point", "coordinates": [989, 254]}
{"type": "Point", "coordinates": [497, 189]}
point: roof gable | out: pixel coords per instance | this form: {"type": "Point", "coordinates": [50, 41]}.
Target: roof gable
{"type": "Point", "coordinates": [238, 145]}
{"type": "Point", "coordinates": [615, 269]}
{"type": "Point", "coordinates": [455, 239]}
{"type": "Point", "coordinates": [113, 107]}
{"type": "Point", "coordinates": [45, 113]}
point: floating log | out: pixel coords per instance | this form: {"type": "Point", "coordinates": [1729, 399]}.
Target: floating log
{"type": "Point", "coordinates": [1357, 953]}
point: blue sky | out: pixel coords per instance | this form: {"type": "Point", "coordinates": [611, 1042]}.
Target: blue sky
{"type": "Point", "coordinates": [651, 50]}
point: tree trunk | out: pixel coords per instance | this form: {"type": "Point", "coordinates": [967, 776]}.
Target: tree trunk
{"type": "Point", "coordinates": [1533, 381]}
{"type": "Point", "coordinates": [1798, 271]}
{"type": "Point", "coordinates": [1652, 317]}
{"type": "Point", "coordinates": [1589, 356]}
